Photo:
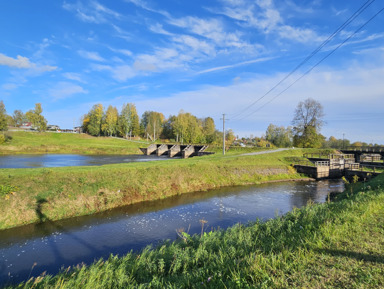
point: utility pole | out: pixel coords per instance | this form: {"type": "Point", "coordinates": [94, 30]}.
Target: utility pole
{"type": "Point", "coordinates": [343, 140]}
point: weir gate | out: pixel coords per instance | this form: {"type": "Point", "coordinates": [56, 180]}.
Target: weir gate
{"type": "Point", "coordinates": [330, 166]}
{"type": "Point", "coordinates": [175, 150]}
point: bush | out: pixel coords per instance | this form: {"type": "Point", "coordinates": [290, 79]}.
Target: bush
{"type": "Point", "coordinates": [4, 138]}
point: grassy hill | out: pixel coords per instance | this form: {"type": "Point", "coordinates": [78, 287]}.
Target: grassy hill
{"type": "Point", "coordinates": [66, 143]}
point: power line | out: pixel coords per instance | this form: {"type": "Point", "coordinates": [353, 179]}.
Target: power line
{"type": "Point", "coordinates": [314, 66]}
{"type": "Point", "coordinates": [313, 53]}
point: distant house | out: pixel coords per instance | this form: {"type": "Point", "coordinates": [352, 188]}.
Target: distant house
{"type": "Point", "coordinates": [78, 129]}
{"type": "Point", "coordinates": [27, 126]}
{"type": "Point", "coordinates": [53, 127]}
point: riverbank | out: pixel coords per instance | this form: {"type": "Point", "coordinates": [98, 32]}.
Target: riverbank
{"type": "Point", "coordinates": [37, 195]}
{"type": "Point", "coordinates": [337, 244]}
{"type": "Point", "coordinates": [22, 142]}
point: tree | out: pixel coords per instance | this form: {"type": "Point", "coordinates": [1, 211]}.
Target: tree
{"type": "Point", "coordinates": [307, 122]}
{"type": "Point", "coordinates": [279, 136]}
{"type": "Point", "coordinates": [109, 126]}
{"type": "Point", "coordinates": [152, 124]}
{"type": "Point", "coordinates": [209, 129]}
{"type": "Point", "coordinates": [3, 117]}
{"type": "Point", "coordinates": [95, 119]}
{"type": "Point", "coordinates": [129, 120]}
{"type": "Point", "coordinates": [18, 118]}
{"type": "Point", "coordinates": [36, 118]}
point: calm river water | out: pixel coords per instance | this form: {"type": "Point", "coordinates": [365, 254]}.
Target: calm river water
{"type": "Point", "coordinates": [56, 160]}
{"type": "Point", "coordinates": [53, 245]}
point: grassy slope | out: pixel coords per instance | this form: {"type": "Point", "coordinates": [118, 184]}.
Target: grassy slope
{"type": "Point", "coordinates": [57, 193]}
{"type": "Point", "coordinates": [50, 142]}
{"type": "Point", "coordinates": [332, 245]}
{"type": "Point", "coordinates": [70, 191]}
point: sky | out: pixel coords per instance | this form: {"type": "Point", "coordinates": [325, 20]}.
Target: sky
{"type": "Point", "coordinates": [252, 61]}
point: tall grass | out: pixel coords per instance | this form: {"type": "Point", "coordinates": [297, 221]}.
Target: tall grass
{"type": "Point", "coordinates": [332, 245]}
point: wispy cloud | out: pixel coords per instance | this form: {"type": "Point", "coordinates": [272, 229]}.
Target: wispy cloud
{"type": "Point", "coordinates": [73, 76]}
{"type": "Point", "coordinates": [144, 5]}
{"type": "Point", "coordinates": [65, 90]}
{"type": "Point", "coordinates": [265, 17]}
{"type": "Point", "coordinates": [94, 12]}
{"type": "Point", "coordinates": [91, 55]}
{"type": "Point", "coordinates": [234, 65]}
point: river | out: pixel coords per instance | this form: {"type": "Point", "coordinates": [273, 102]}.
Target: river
{"type": "Point", "coordinates": [53, 245]}
{"type": "Point", "coordinates": [64, 160]}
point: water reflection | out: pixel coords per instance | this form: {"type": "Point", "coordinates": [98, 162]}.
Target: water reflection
{"type": "Point", "coordinates": [55, 244]}
{"type": "Point", "coordinates": [56, 160]}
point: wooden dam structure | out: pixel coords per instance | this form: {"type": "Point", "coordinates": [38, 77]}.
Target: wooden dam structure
{"type": "Point", "coordinates": [176, 150]}
{"type": "Point", "coordinates": [331, 166]}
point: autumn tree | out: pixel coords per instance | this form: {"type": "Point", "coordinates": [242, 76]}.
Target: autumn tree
{"type": "Point", "coordinates": [188, 128]}
{"type": "Point", "coordinates": [36, 118]}
{"type": "Point", "coordinates": [209, 129]}
{"type": "Point", "coordinates": [129, 120]}
{"type": "Point", "coordinates": [307, 122]}
{"type": "Point", "coordinates": [18, 118]}
{"type": "Point", "coordinates": [152, 124]}
{"type": "Point", "coordinates": [95, 120]}
{"type": "Point", "coordinates": [109, 125]}
{"type": "Point", "coordinates": [3, 117]}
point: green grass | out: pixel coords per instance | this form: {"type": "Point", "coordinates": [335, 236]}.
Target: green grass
{"type": "Point", "coordinates": [66, 143]}
{"type": "Point", "coordinates": [74, 191]}
{"type": "Point", "coordinates": [339, 244]}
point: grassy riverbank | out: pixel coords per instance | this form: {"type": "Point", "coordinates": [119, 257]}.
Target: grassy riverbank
{"type": "Point", "coordinates": [35, 195]}
{"type": "Point", "coordinates": [338, 244]}
{"type": "Point", "coordinates": [66, 143]}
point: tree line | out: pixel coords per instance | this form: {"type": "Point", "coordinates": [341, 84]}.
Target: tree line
{"type": "Point", "coordinates": [34, 116]}
{"type": "Point", "coordinates": [182, 128]}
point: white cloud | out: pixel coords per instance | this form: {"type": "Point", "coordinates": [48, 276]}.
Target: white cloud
{"type": "Point", "coordinates": [19, 62]}
{"type": "Point", "coordinates": [73, 76]}
{"type": "Point", "coordinates": [24, 63]}
{"type": "Point", "coordinates": [66, 89]}
{"type": "Point", "coordinates": [212, 29]}
{"type": "Point", "coordinates": [123, 72]}
{"type": "Point", "coordinates": [267, 19]}
{"type": "Point", "coordinates": [143, 5]}
{"type": "Point", "coordinates": [93, 13]}
{"type": "Point", "coordinates": [91, 55]}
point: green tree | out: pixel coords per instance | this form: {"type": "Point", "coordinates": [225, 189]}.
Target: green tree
{"type": "Point", "coordinates": [36, 118]}
{"type": "Point", "coordinates": [307, 122]}
{"type": "Point", "coordinates": [18, 118]}
{"type": "Point", "coordinates": [95, 120]}
{"type": "Point", "coordinates": [109, 126]}
{"type": "Point", "coordinates": [279, 136]}
{"type": "Point", "coordinates": [129, 120]}
{"type": "Point", "coordinates": [188, 128]}
{"type": "Point", "coordinates": [152, 124]}
{"type": "Point", "coordinates": [3, 117]}
{"type": "Point", "coordinates": [209, 129]}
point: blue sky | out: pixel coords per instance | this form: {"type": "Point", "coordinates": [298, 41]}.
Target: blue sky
{"type": "Point", "coordinates": [208, 58]}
